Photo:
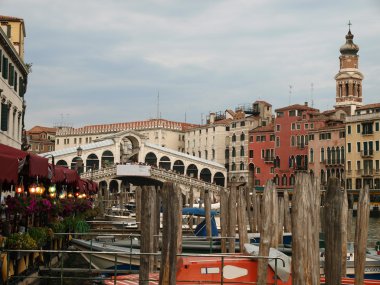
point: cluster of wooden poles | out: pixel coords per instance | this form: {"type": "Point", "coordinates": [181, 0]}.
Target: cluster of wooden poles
{"type": "Point", "coordinates": [267, 213]}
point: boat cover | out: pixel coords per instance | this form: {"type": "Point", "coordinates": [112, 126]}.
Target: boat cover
{"type": "Point", "coordinates": [197, 212]}
{"type": "Point", "coordinates": [283, 272]}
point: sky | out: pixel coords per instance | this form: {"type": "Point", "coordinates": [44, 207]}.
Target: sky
{"type": "Point", "coordinates": [99, 62]}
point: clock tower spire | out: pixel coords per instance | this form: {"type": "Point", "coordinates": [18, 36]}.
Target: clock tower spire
{"type": "Point", "coordinates": [349, 78]}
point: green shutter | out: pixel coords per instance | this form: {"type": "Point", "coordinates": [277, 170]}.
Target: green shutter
{"type": "Point", "coordinates": [4, 117]}
{"type": "Point", "coordinates": [11, 74]}
{"type": "Point", "coordinates": [5, 67]}
{"type": "Point", "coordinates": [15, 85]}
{"type": "Point", "coordinates": [20, 93]}
{"type": "Point", "coordinates": [1, 57]}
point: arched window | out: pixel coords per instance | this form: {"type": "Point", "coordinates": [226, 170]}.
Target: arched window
{"type": "Point", "coordinates": [333, 155]}
{"type": "Point", "coordinates": [311, 155]}
{"type": "Point", "coordinates": [234, 138]}
{"type": "Point", "coordinates": [284, 181]}
{"type": "Point", "coordinates": [322, 154]}
{"type": "Point", "coordinates": [342, 154]}
{"type": "Point", "coordinates": [292, 180]}
{"type": "Point", "coordinates": [241, 165]}
{"type": "Point", "coordinates": [338, 155]}
{"type": "Point", "coordinates": [328, 156]}
{"type": "Point", "coordinates": [276, 180]}
{"type": "Point", "coordinates": [227, 153]}
{"type": "Point", "coordinates": [293, 141]}
{"type": "Point", "coordinates": [242, 151]}
{"type": "Point", "coordinates": [213, 154]}
{"type": "Point", "coordinates": [242, 137]}
{"type": "Point", "coordinates": [233, 166]}
{"type": "Point", "coordinates": [233, 152]}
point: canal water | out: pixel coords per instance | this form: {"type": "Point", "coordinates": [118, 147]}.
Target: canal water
{"type": "Point", "coordinates": [77, 261]}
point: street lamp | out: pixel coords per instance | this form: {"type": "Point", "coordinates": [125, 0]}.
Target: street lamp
{"type": "Point", "coordinates": [79, 151]}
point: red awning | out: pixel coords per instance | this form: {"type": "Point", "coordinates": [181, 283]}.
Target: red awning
{"type": "Point", "coordinates": [71, 176]}
{"type": "Point", "coordinates": [37, 166]}
{"type": "Point", "coordinates": [58, 174]}
{"type": "Point", "coordinates": [8, 169]}
{"type": "Point", "coordinates": [82, 186]}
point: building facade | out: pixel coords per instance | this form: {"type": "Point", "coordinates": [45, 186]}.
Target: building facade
{"type": "Point", "coordinates": [13, 81]}
{"type": "Point", "coordinates": [363, 148]}
{"type": "Point", "coordinates": [41, 139]}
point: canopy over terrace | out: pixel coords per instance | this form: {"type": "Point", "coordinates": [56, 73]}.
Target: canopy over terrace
{"type": "Point", "coordinates": [29, 164]}
{"type": "Point", "coordinates": [15, 163]}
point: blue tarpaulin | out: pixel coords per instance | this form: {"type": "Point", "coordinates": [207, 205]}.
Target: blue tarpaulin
{"type": "Point", "coordinates": [197, 212]}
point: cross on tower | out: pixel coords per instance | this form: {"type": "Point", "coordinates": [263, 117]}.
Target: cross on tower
{"type": "Point", "coordinates": [349, 25]}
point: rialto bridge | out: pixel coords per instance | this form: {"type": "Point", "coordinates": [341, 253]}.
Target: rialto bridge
{"type": "Point", "coordinates": [102, 159]}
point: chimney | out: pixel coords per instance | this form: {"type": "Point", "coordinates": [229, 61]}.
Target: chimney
{"type": "Point", "coordinates": [306, 104]}
{"type": "Point", "coordinates": [212, 118]}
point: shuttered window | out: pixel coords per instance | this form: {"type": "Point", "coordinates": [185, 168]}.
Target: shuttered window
{"type": "Point", "coordinates": [16, 82]}
{"type": "Point", "coordinates": [5, 67]}
{"type": "Point", "coordinates": [1, 59]}
{"type": "Point", "coordinates": [11, 74]}
{"type": "Point", "coordinates": [4, 117]}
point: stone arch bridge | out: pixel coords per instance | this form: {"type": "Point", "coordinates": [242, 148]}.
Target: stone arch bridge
{"type": "Point", "coordinates": [102, 159]}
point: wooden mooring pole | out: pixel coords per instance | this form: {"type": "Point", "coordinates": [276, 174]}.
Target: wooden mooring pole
{"type": "Point", "coordinates": [223, 218]}
{"type": "Point", "coordinates": [361, 234]}
{"type": "Point", "coordinates": [171, 233]}
{"type": "Point", "coordinates": [333, 232]}
{"type": "Point", "coordinates": [146, 241]}
{"type": "Point", "coordinates": [242, 218]}
{"type": "Point", "coordinates": [305, 231]}
{"type": "Point", "coordinates": [266, 232]}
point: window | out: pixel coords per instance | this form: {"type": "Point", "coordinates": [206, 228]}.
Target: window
{"type": "Point", "coordinates": [311, 126]}
{"type": "Point", "coordinates": [250, 138]}
{"type": "Point", "coordinates": [348, 147]}
{"type": "Point", "coordinates": [342, 134]}
{"type": "Point", "coordinates": [233, 166]}
{"type": "Point", "coordinates": [358, 128]}
{"type": "Point", "coordinates": [263, 138]}
{"type": "Point", "coordinates": [4, 117]}
{"type": "Point", "coordinates": [348, 130]}
{"type": "Point", "coordinates": [272, 138]}
{"type": "Point", "coordinates": [242, 151]}
{"type": "Point", "coordinates": [242, 137]}
{"type": "Point", "coordinates": [278, 128]}
{"type": "Point", "coordinates": [349, 167]}
{"type": "Point", "coordinates": [311, 137]}
{"type": "Point", "coordinates": [241, 166]}
{"type": "Point", "coordinates": [227, 128]}
{"type": "Point", "coordinates": [293, 141]}
{"type": "Point", "coordinates": [377, 145]}
{"type": "Point", "coordinates": [242, 124]}
{"type": "Point", "coordinates": [75, 140]}
{"type": "Point", "coordinates": [227, 153]}
{"type": "Point", "coordinates": [234, 138]}
{"type": "Point", "coordinates": [57, 140]}
{"type": "Point", "coordinates": [306, 126]}
{"type": "Point", "coordinates": [258, 170]}
{"type": "Point", "coordinates": [5, 67]}
{"type": "Point", "coordinates": [292, 113]}
{"type": "Point", "coordinates": [311, 155]}
{"type": "Point", "coordinates": [277, 141]}
{"type": "Point", "coordinates": [233, 152]}
{"type": "Point", "coordinates": [322, 154]}
{"type": "Point", "coordinates": [258, 138]}
{"type": "Point", "coordinates": [251, 153]}
{"type": "Point", "coordinates": [377, 165]}
{"type": "Point", "coordinates": [293, 126]}
{"type": "Point", "coordinates": [358, 165]}
{"type": "Point", "coordinates": [377, 126]}
{"type": "Point", "coordinates": [298, 126]}
{"type": "Point", "coordinates": [358, 146]}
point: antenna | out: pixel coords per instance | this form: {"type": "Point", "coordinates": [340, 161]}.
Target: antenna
{"type": "Point", "coordinates": [311, 94]}
{"type": "Point", "coordinates": [158, 104]}
{"type": "Point", "coordinates": [290, 93]}
{"type": "Point", "coordinates": [201, 118]}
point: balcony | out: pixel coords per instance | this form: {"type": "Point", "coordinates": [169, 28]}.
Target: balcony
{"type": "Point", "coordinates": [367, 153]}
{"type": "Point", "coordinates": [349, 172]}
{"type": "Point", "coordinates": [268, 159]}
{"type": "Point", "coordinates": [300, 168]}
{"type": "Point", "coordinates": [301, 146]}
{"type": "Point", "coordinates": [368, 172]}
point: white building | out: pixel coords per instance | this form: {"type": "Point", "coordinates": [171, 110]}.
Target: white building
{"type": "Point", "coordinates": [13, 81]}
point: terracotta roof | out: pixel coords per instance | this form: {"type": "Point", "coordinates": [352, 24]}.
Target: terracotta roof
{"type": "Point", "coordinates": [369, 106]}
{"type": "Point", "coordinates": [267, 128]}
{"type": "Point", "coordinates": [296, 107]}
{"type": "Point", "coordinates": [9, 18]}
{"type": "Point", "coordinates": [40, 129]}
{"type": "Point", "coordinates": [264, 102]}
{"type": "Point", "coordinates": [329, 127]}
{"type": "Point", "coordinates": [117, 127]}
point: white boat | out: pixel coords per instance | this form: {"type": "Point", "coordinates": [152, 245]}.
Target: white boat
{"type": "Point", "coordinates": [107, 256]}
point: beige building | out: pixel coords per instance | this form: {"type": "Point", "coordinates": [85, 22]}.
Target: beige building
{"type": "Point", "coordinates": [363, 150]}
{"type": "Point", "coordinates": [41, 139]}
{"type": "Point", "coordinates": [161, 132]}
{"type": "Point", "coordinates": [13, 81]}
{"type": "Point", "coordinates": [225, 138]}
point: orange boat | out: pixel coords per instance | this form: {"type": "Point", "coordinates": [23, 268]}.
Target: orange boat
{"type": "Point", "coordinates": [209, 270]}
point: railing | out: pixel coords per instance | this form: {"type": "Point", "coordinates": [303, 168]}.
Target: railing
{"type": "Point", "coordinates": [60, 274]}
{"type": "Point", "coordinates": [269, 159]}
{"type": "Point", "coordinates": [156, 173]}
{"type": "Point", "coordinates": [301, 146]}
{"type": "Point", "coordinates": [367, 153]}
{"type": "Point", "coordinates": [364, 117]}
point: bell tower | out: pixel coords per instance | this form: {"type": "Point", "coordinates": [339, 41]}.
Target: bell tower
{"type": "Point", "coordinates": [349, 78]}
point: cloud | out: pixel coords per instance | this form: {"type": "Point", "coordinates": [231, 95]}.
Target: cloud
{"type": "Point", "coordinates": [201, 55]}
